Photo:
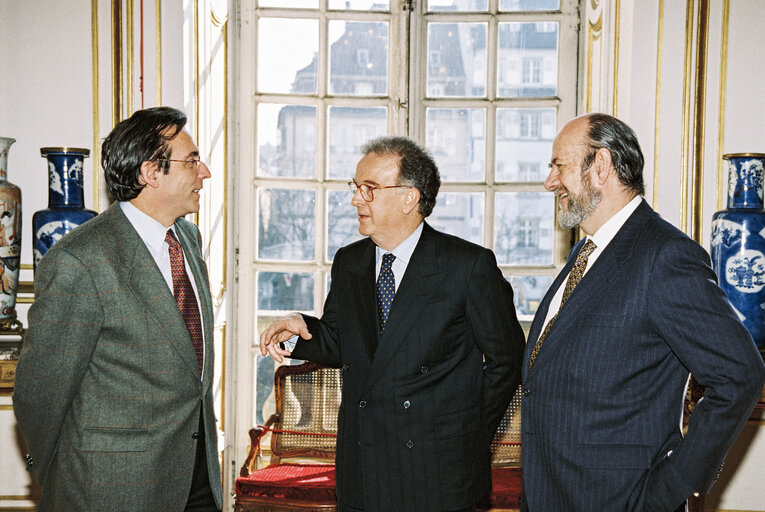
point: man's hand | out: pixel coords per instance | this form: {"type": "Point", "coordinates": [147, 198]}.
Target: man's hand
{"type": "Point", "coordinates": [282, 330]}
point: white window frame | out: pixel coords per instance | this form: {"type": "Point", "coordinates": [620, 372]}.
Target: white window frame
{"type": "Point", "coordinates": [406, 104]}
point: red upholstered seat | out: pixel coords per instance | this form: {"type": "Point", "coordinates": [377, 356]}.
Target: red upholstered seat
{"type": "Point", "coordinates": [304, 426]}
{"type": "Point", "coordinates": [312, 483]}
{"type": "Point", "coordinates": [505, 488]}
{"type": "Point", "coordinates": [315, 484]}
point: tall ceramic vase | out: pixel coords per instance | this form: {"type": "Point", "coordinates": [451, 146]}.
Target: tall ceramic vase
{"type": "Point", "coordinates": [10, 237]}
{"type": "Point", "coordinates": [66, 208]}
{"type": "Point", "coordinates": [738, 241]}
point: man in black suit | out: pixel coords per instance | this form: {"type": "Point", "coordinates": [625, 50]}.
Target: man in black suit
{"type": "Point", "coordinates": [609, 352]}
{"type": "Point", "coordinates": [427, 339]}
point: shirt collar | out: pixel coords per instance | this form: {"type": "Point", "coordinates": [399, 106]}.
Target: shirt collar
{"type": "Point", "coordinates": [403, 252]}
{"type": "Point", "coordinates": [607, 231]}
{"type": "Point", "coordinates": [151, 231]}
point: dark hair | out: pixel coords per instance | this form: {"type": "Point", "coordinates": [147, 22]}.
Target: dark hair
{"type": "Point", "coordinates": [140, 138]}
{"type": "Point", "coordinates": [416, 168]}
{"type": "Point", "coordinates": [608, 132]}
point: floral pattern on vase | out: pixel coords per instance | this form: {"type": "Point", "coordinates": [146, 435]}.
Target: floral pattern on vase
{"type": "Point", "coordinates": [66, 208]}
{"type": "Point", "coordinates": [738, 241]}
{"type": "Point", "coordinates": [10, 236]}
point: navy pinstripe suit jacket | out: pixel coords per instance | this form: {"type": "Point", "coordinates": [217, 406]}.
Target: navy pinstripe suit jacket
{"type": "Point", "coordinates": [602, 403]}
{"type": "Point", "coordinates": [418, 412]}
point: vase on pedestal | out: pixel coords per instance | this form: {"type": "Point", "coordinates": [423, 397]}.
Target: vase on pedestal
{"type": "Point", "coordinates": [10, 238]}
{"type": "Point", "coordinates": [66, 208]}
{"type": "Point", "coordinates": [738, 241]}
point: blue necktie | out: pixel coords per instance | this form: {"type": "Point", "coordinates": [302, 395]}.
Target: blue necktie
{"type": "Point", "coordinates": [386, 288]}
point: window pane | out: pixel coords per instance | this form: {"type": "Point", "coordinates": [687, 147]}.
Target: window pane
{"type": "Point", "coordinates": [528, 292]}
{"type": "Point", "coordinates": [366, 5]}
{"type": "Point", "coordinates": [285, 291]}
{"type": "Point", "coordinates": [457, 139]}
{"type": "Point", "coordinates": [524, 143]}
{"type": "Point", "coordinates": [286, 141]}
{"type": "Point", "coordinates": [349, 129]}
{"type": "Point", "coordinates": [286, 229]}
{"type": "Point", "coordinates": [287, 51]}
{"type": "Point", "coordinates": [523, 229]}
{"type": "Point", "coordinates": [358, 60]}
{"type": "Point", "coordinates": [527, 61]}
{"type": "Point", "coordinates": [308, 4]}
{"type": "Point", "coordinates": [456, 59]}
{"type": "Point", "coordinates": [457, 5]}
{"type": "Point", "coordinates": [529, 5]}
{"type": "Point", "coordinates": [342, 224]}
{"type": "Point", "coordinates": [459, 214]}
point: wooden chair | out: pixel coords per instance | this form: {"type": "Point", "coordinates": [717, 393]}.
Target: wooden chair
{"type": "Point", "coordinates": [305, 426]}
{"type": "Point", "coordinates": [506, 462]}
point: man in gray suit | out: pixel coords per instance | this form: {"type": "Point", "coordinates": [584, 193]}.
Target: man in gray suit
{"type": "Point", "coordinates": [609, 351]}
{"type": "Point", "coordinates": [113, 387]}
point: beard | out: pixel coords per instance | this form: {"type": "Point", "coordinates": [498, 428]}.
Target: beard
{"type": "Point", "coordinates": [579, 208]}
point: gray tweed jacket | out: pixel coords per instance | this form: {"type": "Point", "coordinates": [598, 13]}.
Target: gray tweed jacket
{"type": "Point", "coordinates": [108, 392]}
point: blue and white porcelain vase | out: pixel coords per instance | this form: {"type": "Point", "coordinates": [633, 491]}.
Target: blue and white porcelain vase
{"type": "Point", "coordinates": [66, 208]}
{"type": "Point", "coordinates": [738, 242]}
{"type": "Point", "coordinates": [10, 237]}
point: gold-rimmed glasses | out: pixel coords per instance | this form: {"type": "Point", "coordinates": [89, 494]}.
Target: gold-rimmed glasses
{"type": "Point", "coordinates": [367, 191]}
{"type": "Point", "coordinates": [194, 163]}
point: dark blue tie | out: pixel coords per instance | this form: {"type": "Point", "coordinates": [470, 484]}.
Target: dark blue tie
{"type": "Point", "coordinates": [386, 288]}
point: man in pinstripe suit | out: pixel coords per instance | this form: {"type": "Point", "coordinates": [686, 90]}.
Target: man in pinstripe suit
{"type": "Point", "coordinates": [112, 395]}
{"type": "Point", "coordinates": [609, 354]}
{"type": "Point", "coordinates": [425, 386]}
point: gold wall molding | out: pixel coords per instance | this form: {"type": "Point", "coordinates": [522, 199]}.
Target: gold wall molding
{"type": "Point", "coordinates": [722, 180]}
{"type": "Point", "coordinates": [116, 61]}
{"type": "Point", "coordinates": [617, 22]}
{"type": "Point", "coordinates": [657, 106]}
{"type": "Point", "coordinates": [158, 54]}
{"type": "Point", "coordinates": [686, 115]}
{"type": "Point", "coordinates": [130, 56]}
{"type": "Point", "coordinates": [594, 32]}
{"type": "Point", "coordinates": [699, 119]}
{"type": "Point", "coordinates": [96, 153]}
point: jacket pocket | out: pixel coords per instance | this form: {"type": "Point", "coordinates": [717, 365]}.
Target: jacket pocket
{"type": "Point", "coordinates": [96, 439]}
{"type": "Point", "coordinates": [615, 456]}
{"type": "Point", "coordinates": [458, 423]}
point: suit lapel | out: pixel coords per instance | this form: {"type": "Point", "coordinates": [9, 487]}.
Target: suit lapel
{"type": "Point", "coordinates": [420, 282]}
{"type": "Point", "coordinates": [613, 258]}
{"type": "Point", "coordinates": [363, 286]}
{"type": "Point", "coordinates": [150, 288]}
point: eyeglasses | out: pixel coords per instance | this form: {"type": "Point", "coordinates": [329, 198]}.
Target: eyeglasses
{"type": "Point", "coordinates": [194, 163]}
{"type": "Point", "coordinates": [367, 191]}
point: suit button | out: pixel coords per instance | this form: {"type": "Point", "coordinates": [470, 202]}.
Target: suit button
{"type": "Point", "coordinates": [363, 404]}
{"type": "Point", "coordinates": [424, 369]}
{"type": "Point", "coordinates": [525, 391]}
{"type": "Point", "coordinates": [195, 435]}
{"type": "Point", "coordinates": [345, 367]}
{"type": "Point", "coordinates": [409, 444]}
{"type": "Point", "coordinates": [407, 404]}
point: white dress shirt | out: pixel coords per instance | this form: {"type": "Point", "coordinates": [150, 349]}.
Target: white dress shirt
{"type": "Point", "coordinates": [153, 233]}
{"type": "Point", "coordinates": [601, 239]}
{"type": "Point", "coordinates": [403, 254]}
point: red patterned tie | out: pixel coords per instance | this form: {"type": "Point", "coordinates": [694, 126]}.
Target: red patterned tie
{"type": "Point", "coordinates": [184, 296]}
